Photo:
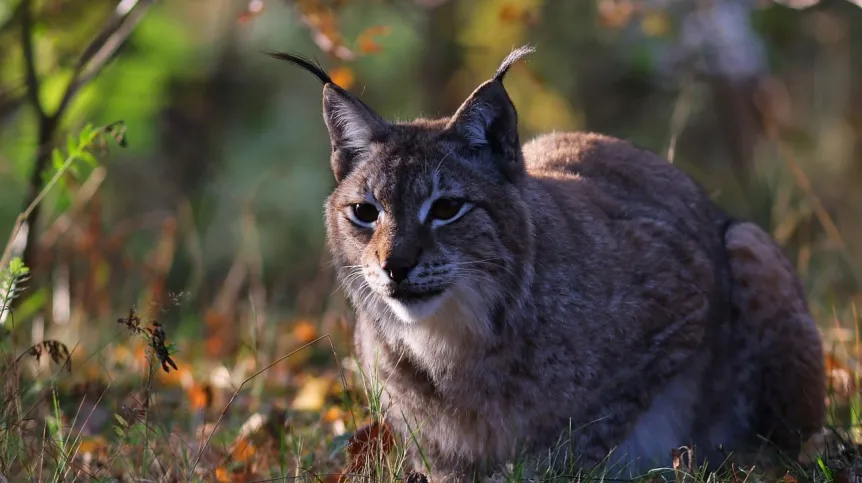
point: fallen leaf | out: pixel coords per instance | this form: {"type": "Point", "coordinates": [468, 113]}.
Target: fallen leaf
{"type": "Point", "coordinates": [332, 414]}
{"type": "Point", "coordinates": [312, 395]}
{"type": "Point", "coordinates": [250, 426]}
{"type": "Point", "coordinates": [367, 447]}
{"type": "Point", "coordinates": [223, 475]}
{"type": "Point", "coordinates": [243, 451]}
{"type": "Point", "coordinates": [305, 331]}
{"type": "Point", "coordinates": [200, 396]}
{"type": "Point", "coordinates": [92, 444]}
{"type": "Point", "coordinates": [375, 437]}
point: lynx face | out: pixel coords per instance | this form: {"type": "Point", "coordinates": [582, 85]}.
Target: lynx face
{"type": "Point", "coordinates": [418, 225]}
{"type": "Point", "coordinates": [427, 222]}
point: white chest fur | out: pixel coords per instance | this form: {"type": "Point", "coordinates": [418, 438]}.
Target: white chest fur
{"type": "Point", "coordinates": [445, 336]}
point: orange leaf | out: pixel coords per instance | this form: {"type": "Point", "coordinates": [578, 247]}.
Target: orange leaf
{"type": "Point", "coordinates": [305, 331]}
{"type": "Point", "coordinates": [92, 444]}
{"type": "Point", "coordinates": [200, 396]}
{"type": "Point", "coordinates": [332, 414]}
{"type": "Point", "coordinates": [342, 76]}
{"type": "Point", "coordinates": [365, 42]}
{"type": "Point", "coordinates": [223, 475]}
{"type": "Point", "coordinates": [243, 451]}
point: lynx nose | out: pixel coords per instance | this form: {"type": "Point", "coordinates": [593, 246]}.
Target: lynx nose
{"type": "Point", "coordinates": [397, 268]}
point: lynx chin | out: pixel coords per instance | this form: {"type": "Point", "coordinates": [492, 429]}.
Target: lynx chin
{"type": "Point", "coordinates": [574, 300]}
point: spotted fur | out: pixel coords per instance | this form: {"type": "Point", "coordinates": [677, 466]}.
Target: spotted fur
{"type": "Point", "coordinates": [589, 298]}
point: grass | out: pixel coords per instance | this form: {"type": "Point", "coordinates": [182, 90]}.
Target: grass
{"type": "Point", "coordinates": [139, 400]}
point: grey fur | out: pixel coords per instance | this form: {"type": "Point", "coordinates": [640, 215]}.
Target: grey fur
{"type": "Point", "coordinates": [593, 296]}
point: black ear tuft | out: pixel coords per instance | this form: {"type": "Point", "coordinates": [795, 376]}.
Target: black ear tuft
{"type": "Point", "coordinates": [510, 59]}
{"type": "Point", "coordinates": [308, 64]}
{"type": "Point", "coordinates": [352, 125]}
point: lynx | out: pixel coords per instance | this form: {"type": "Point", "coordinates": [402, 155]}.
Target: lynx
{"type": "Point", "coordinates": [576, 297]}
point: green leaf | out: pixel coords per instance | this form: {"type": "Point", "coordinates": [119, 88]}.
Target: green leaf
{"type": "Point", "coordinates": [121, 420]}
{"type": "Point", "coordinates": [17, 267]}
{"type": "Point", "coordinates": [86, 133]}
{"type": "Point", "coordinates": [825, 469]}
{"type": "Point", "coordinates": [88, 158]}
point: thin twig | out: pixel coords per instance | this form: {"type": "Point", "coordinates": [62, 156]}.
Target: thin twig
{"type": "Point", "coordinates": [104, 46]}
{"type": "Point", "coordinates": [22, 218]}
{"type": "Point", "coordinates": [83, 196]}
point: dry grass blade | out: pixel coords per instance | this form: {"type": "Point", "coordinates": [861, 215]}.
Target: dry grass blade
{"type": "Point", "coordinates": [236, 393]}
{"type": "Point", "coordinates": [771, 128]}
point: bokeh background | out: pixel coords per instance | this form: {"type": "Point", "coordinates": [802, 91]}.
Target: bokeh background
{"type": "Point", "coordinates": [210, 219]}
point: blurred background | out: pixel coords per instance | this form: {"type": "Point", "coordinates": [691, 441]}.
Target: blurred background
{"type": "Point", "coordinates": [210, 219]}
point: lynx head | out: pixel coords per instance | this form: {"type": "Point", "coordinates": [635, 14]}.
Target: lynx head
{"type": "Point", "coordinates": [427, 222]}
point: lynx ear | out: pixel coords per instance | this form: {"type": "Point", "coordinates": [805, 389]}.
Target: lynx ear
{"type": "Point", "coordinates": [488, 122]}
{"type": "Point", "coordinates": [352, 127]}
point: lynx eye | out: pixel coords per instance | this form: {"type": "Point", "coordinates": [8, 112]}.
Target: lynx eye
{"type": "Point", "coordinates": [363, 214]}
{"type": "Point", "coordinates": [446, 209]}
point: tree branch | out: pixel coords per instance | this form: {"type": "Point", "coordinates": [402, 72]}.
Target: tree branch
{"type": "Point", "coordinates": [30, 59]}
{"type": "Point", "coordinates": [126, 16]}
